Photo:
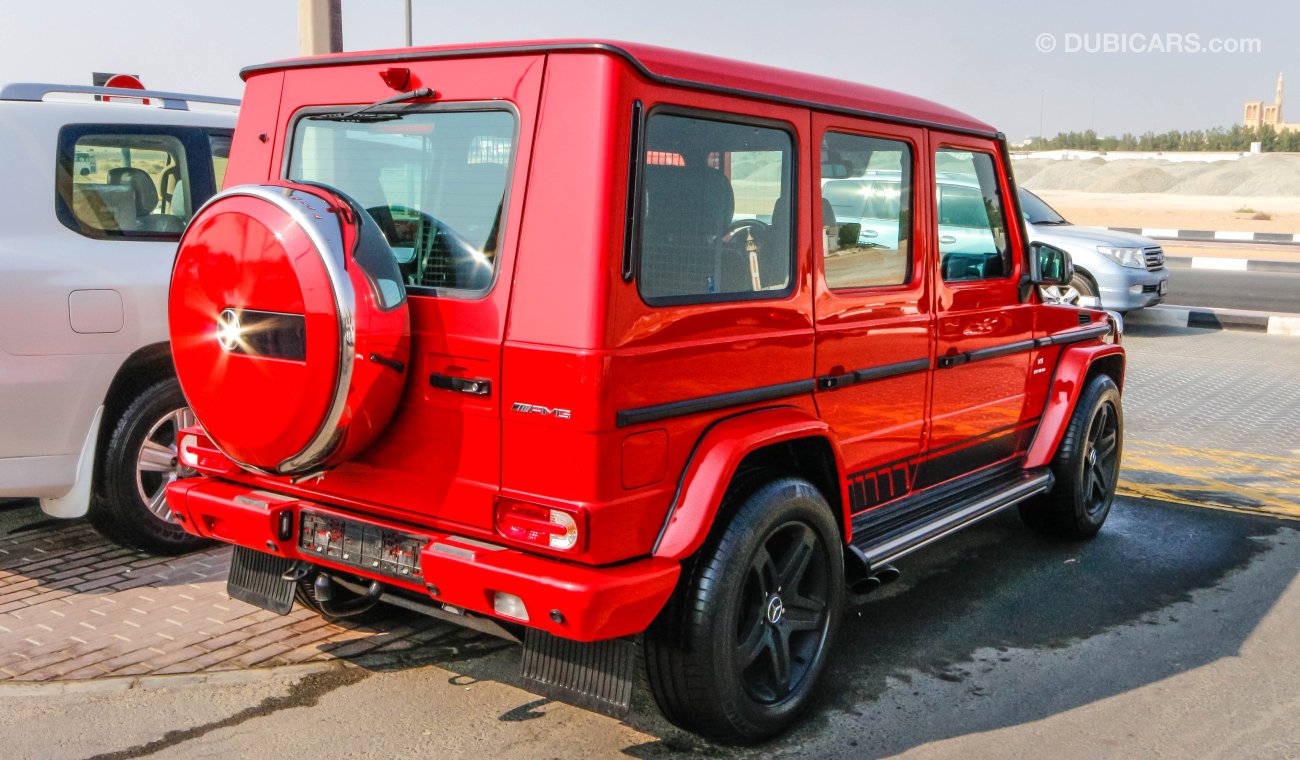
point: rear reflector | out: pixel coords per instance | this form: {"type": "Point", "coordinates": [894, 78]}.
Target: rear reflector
{"type": "Point", "coordinates": [509, 605]}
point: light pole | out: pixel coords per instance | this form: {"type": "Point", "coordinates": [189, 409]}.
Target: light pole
{"type": "Point", "coordinates": [408, 23]}
{"type": "Point", "coordinates": [320, 27]}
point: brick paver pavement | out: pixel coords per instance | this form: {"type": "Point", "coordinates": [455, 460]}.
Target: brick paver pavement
{"type": "Point", "coordinates": [74, 606]}
{"type": "Point", "coordinates": [1212, 417]}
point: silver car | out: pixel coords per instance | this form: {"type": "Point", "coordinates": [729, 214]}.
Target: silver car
{"type": "Point", "coordinates": [1112, 270]}
{"type": "Point", "coordinates": [97, 195]}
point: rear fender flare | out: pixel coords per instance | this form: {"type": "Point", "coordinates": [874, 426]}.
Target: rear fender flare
{"type": "Point", "coordinates": [714, 462]}
{"type": "Point", "coordinates": [1072, 371]}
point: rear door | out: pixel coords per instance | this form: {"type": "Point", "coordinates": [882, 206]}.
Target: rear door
{"type": "Point", "coordinates": [445, 182]}
{"type": "Point", "coordinates": [872, 304]}
{"type": "Point", "coordinates": [984, 331]}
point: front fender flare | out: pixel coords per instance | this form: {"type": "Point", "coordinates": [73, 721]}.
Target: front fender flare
{"type": "Point", "coordinates": [1071, 372]}
{"type": "Point", "coordinates": [717, 455]}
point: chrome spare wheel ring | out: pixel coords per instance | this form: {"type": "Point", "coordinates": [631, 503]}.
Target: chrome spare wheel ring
{"type": "Point", "coordinates": [157, 463]}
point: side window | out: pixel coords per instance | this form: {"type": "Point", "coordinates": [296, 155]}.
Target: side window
{"type": "Point", "coordinates": [715, 218]}
{"type": "Point", "coordinates": [972, 221]}
{"type": "Point", "coordinates": [866, 211]}
{"type": "Point", "coordinates": [119, 184]}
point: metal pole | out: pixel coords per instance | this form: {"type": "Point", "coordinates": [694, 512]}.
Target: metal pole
{"type": "Point", "coordinates": [408, 23]}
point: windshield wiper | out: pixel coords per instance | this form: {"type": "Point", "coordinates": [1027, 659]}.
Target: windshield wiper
{"type": "Point", "coordinates": [360, 114]}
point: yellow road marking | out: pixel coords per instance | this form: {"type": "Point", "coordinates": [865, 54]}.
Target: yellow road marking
{"type": "Point", "coordinates": [1127, 489]}
{"type": "Point", "coordinates": [1231, 455]}
{"type": "Point", "coordinates": [1272, 483]}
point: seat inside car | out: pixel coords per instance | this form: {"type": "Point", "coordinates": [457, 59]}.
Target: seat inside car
{"type": "Point", "coordinates": [146, 200]}
{"type": "Point", "coordinates": [687, 209]}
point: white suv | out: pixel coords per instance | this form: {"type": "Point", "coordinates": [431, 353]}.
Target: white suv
{"type": "Point", "coordinates": [99, 184]}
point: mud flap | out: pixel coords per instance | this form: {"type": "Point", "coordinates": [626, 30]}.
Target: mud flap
{"type": "Point", "coordinates": [259, 579]}
{"type": "Point", "coordinates": [595, 676]}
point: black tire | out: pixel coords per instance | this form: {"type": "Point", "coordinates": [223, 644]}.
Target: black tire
{"type": "Point", "coordinates": [121, 510]}
{"type": "Point", "coordinates": [724, 606]}
{"type": "Point", "coordinates": [1086, 467]}
{"type": "Point", "coordinates": [1086, 287]}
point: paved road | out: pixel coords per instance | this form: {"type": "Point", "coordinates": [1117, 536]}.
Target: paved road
{"type": "Point", "coordinates": [1172, 634]}
{"type": "Point", "coordinates": [1213, 416]}
{"type": "Point", "coordinates": [1277, 292]}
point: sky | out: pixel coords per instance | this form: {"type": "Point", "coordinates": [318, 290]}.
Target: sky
{"type": "Point", "coordinates": [987, 59]}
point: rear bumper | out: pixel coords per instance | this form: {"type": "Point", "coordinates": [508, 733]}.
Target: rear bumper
{"type": "Point", "coordinates": [566, 599]}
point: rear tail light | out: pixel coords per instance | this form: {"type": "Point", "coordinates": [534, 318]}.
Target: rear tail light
{"type": "Point", "coordinates": [197, 452]}
{"type": "Point", "coordinates": [538, 525]}
{"type": "Point", "coordinates": [188, 455]}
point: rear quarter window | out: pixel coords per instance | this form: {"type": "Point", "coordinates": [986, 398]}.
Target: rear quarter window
{"type": "Point", "coordinates": [714, 215]}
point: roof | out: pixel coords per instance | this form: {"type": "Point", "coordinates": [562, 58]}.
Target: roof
{"type": "Point", "coordinates": [178, 101]}
{"type": "Point", "coordinates": [695, 70]}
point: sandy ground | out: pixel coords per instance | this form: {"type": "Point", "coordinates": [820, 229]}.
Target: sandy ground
{"type": "Point", "coordinates": [1187, 212]}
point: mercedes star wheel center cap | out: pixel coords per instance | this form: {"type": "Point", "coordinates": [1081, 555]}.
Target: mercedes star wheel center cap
{"type": "Point", "coordinates": [775, 609]}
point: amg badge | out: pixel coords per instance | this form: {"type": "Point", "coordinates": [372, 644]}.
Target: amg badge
{"type": "Point", "coordinates": [559, 414]}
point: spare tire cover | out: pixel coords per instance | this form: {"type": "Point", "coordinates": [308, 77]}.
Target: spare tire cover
{"type": "Point", "coordinates": [289, 326]}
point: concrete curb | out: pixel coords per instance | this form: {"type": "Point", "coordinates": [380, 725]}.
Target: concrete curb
{"type": "Point", "coordinates": [1231, 265]}
{"type": "Point", "coordinates": [374, 661]}
{"type": "Point", "coordinates": [1217, 319]}
{"type": "Point", "coordinates": [1213, 236]}
{"type": "Point", "coordinates": [126, 683]}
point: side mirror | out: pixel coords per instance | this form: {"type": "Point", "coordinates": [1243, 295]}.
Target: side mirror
{"type": "Point", "coordinates": [1054, 266]}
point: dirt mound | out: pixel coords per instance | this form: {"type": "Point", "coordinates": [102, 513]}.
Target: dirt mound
{"type": "Point", "coordinates": [1269, 174]}
{"type": "Point", "coordinates": [1121, 179]}
{"type": "Point", "coordinates": [1060, 175]}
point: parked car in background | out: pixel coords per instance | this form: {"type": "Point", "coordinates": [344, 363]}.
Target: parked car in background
{"type": "Point", "coordinates": [99, 185]}
{"type": "Point", "coordinates": [1113, 270]}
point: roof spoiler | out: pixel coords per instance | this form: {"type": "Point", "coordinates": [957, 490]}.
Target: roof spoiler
{"type": "Point", "coordinates": [176, 101]}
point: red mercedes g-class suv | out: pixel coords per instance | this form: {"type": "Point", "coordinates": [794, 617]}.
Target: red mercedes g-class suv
{"type": "Point", "coordinates": [561, 341]}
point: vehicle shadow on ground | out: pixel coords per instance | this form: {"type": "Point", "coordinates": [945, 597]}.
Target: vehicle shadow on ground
{"type": "Point", "coordinates": [972, 604]}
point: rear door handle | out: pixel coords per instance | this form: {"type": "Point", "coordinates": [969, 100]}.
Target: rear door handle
{"type": "Point", "coordinates": [474, 386]}
{"type": "Point", "coordinates": [947, 239]}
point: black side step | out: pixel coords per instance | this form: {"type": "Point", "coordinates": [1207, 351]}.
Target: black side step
{"type": "Point", "coordinates": [887, 533]}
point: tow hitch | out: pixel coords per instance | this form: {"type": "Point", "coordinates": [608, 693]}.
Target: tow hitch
{"type": "Point", "coordinates": [323, 589]}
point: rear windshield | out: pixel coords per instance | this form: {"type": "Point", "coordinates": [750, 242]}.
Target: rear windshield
{"type": "Point", "coordinates": [434, 181]}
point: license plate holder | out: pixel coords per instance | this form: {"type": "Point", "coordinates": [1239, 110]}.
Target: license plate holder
{"type": "Point", "coordinates": [258, 579]}
{"type": "Point", "coordinates": [1164, 287]}
{"type": "Point", "coordinates": [368, 547]}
